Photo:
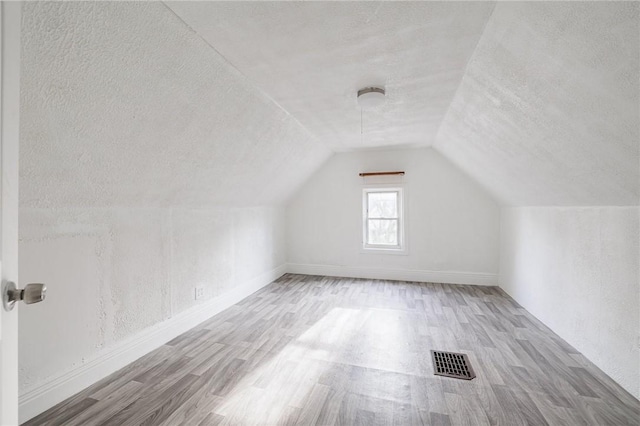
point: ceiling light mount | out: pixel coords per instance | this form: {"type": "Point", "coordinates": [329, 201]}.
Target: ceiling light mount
{"type": "Point", "coordinates": [371, 97]}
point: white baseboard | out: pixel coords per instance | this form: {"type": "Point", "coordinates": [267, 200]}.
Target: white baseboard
{"type": "Point", "coordinates": [446, 277]}
{"type": "Point", "coordinates": [110, 360]}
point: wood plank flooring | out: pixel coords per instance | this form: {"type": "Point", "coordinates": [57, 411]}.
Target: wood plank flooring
{"type": "Point", "coordinates": [314, 350]}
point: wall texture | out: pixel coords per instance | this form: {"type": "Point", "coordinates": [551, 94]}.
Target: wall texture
{"type": "Point", "coordinates": [547, 111]}
{"type": "Point", "coordinates": [114, 272]}
{"type": "Point", "coordinates": [148, 165]}
{"type": "Point", "coordinates": [453, 225]}
{"type": "Point", "coordinates": [576, 269]}
{"type": "Point", "coordinates": [144, 153]}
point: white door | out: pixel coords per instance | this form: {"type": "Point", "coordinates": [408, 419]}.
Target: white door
{"type": "Point", "coordinates": [9, 125]}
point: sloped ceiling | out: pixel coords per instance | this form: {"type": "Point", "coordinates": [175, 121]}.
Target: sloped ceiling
{"type": "Point", "coordinates": [312, 57]}
{"type": "Point", "coordinates": [548, 109]}
{"type": "Point", "coordinates": [123, 105]}
{"type": "Point", "coordinates": [214, 103]}
{"type": "Point", "coordinates": [537, 101]}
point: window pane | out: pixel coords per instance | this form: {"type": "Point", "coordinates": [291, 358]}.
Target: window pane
{"type": "Point", "coordinates": [382, 232]}
{"type": "Point", "coordinates": [383, 204]}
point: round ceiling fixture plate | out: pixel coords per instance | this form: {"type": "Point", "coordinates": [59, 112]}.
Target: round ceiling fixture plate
{"type": "Point", "coordinates": [371, 97]}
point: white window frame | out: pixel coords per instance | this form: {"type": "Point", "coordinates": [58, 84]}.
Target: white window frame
{"type": "Point", "coordinates": [401, 248]}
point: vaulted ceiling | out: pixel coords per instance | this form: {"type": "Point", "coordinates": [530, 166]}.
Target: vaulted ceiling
{"type": "Point", "coordinates": [548, 110]}
{"type": "Point", "coordinates": [237, 103]}
{"type": "Point", "coordinates": [312, 57]}
{"type": "Point", "coordinates": [123, 105]}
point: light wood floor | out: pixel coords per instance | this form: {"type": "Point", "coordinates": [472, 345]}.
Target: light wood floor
{"type": "Point", "coordinates": [319, 350]}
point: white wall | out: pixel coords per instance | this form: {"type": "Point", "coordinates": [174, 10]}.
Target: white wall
{"type": "Point", "coordinates": [453, 225]}
{"type": "Point", "coordinates": [126, 114]}
{"type": "Point", "coordinates": [114, 273]}
{"type": "Point", "coordinates": [576, 269]}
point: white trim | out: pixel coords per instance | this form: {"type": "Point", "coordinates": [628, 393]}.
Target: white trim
{"type": "Point", "coordinates": [401, 248]}
{"type": "Point", "coordinates": [446, 277]}
{"type": "Point", "coordinates": [10, 19]}
{"type": "Point", "coordinates": [385, 251]}
{"type": "Point", "coordinates": [110, 360]}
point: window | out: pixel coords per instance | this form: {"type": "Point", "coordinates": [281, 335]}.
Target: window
{"type": "Point", "coordinates": [383, 227]}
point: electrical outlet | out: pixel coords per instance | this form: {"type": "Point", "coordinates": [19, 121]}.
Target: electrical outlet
{"type": "Point", "coordinates": [199, 293]}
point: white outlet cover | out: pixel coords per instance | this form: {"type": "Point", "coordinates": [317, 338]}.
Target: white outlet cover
{"type": "Point", "coordinates": [199, 292]}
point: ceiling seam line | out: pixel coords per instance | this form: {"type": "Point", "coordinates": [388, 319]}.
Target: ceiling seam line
{"type": "Point", "coordinates": [464, 74]}
{"type": "Point", "coordinates": [500, 202]}
{"type": "Point", "coordinates": [247, 79]}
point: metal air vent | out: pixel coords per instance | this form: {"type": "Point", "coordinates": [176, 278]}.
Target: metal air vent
{"type": "Point", "coordinates": [452, 364]}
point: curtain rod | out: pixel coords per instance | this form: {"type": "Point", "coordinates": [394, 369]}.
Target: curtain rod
{"type": "Point", "coordinates": [380, 174]}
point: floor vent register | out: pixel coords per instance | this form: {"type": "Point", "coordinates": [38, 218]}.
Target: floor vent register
{"type": "Point", "coordinates": [452, 364]}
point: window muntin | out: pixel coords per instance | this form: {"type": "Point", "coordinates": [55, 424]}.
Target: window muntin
{"type": "Point", "coordinates": [382, 214]}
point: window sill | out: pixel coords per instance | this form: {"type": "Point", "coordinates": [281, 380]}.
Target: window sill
{"type": "Point", "coordinates": [392, 251]}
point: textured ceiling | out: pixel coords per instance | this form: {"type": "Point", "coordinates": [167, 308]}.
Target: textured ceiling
{"type": "Point", "coordinates": [537, 101]}
{"type": "Point", "coordinates": [312, 57]}
{"type": "Point", "coordinates": [123, 105]}
{"type": "Point", "coordinates": [236, 103]}
{"type": "Point", "coordinates": [548, 110]}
